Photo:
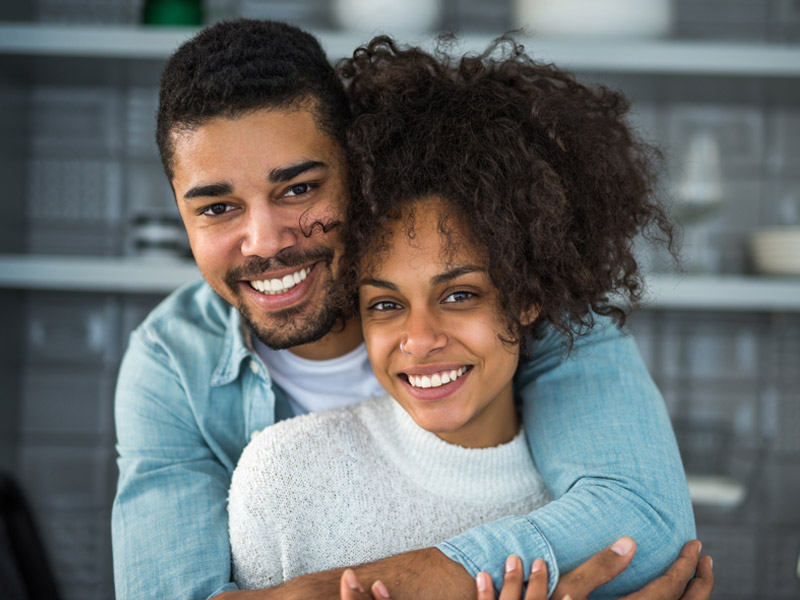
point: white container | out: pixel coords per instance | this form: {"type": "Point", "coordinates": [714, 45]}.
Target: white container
{"type": "Point", "coordinates": [776, 251]}
{"type": "Point", "coordinates": [396, 17]}
{"type": "Point", "coordinates": [608, 18]}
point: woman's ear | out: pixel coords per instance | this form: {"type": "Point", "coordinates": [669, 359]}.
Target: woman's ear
{"type": "Point", "coordinates": [529, 315]}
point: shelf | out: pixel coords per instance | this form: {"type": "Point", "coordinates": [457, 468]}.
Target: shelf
{"type": "Point", "coordinates": [96, 274]}
{"type": "Point", "coordinates": [161, 276]}
{"type": "Point", "coordinates": [626, 56]}
{"type": "Point", "coordinates": [724, 292]}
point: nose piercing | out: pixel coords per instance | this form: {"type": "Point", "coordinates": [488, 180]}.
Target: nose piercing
{"type": "Point", "coordinates": [403, 350]}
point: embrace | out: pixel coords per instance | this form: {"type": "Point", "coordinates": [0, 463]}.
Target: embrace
{"type": "Point", "coordinates": [404, 374]}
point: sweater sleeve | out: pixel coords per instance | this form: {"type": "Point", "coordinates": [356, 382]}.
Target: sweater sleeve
{"type": "Point", "coordinates": [601, 438]}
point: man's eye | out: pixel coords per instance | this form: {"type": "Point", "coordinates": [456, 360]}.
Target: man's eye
{"type": "Point", "coordinates": [459, 297]}
{"type": "Point", "coordinates": [298, 189]}
{"type": "Point", "coordinates": [384, 305]}
{"type": "Point", "coordinates": [218, 208]}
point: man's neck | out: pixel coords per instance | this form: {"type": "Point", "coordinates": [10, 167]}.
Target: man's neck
{"type": "Point", "coordinates": [343, 338]}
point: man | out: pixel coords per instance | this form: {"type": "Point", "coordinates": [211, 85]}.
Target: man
{"type": "Point", "coordinates": [250, 129]}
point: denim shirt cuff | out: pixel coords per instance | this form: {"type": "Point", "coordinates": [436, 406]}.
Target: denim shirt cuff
{"type": "Point", "coordinates": [486, 547]}
{"type": "Point", "coordinates": [228, 587]}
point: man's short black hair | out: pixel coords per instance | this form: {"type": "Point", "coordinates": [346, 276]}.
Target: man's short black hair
{"type": "Point", "coordinates": [235, 67]}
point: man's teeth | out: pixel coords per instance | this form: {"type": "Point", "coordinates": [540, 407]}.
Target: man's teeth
{"type": "Point", "coordinates": [437, 379]}
{"type": "Point", "coordinates": [280, 286]}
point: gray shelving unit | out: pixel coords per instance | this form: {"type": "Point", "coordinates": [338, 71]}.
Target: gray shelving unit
{"type": "Point", "coordinates": [78, 86]}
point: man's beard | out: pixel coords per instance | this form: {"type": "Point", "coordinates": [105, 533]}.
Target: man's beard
{"type": "Point", "coordinates": [289, 327]}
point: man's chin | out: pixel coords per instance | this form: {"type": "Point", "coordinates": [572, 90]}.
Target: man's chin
{"type": "Point", "coordinates": [291, 327]}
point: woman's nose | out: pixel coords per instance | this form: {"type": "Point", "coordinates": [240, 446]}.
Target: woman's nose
{"type": "Point", "coordinates": [424, 335]}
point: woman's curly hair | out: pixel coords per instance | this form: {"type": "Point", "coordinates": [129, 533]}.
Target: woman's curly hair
{"type": "Point", "coordinates": [543, 170]}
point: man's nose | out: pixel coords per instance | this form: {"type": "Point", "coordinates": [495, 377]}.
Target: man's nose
{"type": "Point", "coordinates": [266, 231]}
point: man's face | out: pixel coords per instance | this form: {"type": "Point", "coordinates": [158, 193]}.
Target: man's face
{"type": "Point", "coordinates": [261, 196]}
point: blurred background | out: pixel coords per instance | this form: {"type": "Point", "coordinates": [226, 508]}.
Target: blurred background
{"type": "Point", "coordinates": [90, 240]}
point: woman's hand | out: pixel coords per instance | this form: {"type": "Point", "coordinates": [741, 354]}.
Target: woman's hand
{"type": "Point", "coordinates": [676, 584]}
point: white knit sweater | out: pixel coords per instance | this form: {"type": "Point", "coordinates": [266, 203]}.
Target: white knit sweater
{"type": "Point", "coordinates": [359, 483]}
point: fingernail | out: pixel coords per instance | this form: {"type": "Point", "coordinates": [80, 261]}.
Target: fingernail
{"type": "Point", "coordinates": [511, 563]}
{"type": "Point", "coordinates": [481, 580]}
{"type": "Point", "coordinates": [381, 589]}
{"type": "Point", "coordinates": [537, 565]}
{"type": "Point", "coordinates": [352, 581]}
{"type": "Point", "coordinates": [699, 547]}
{"type": "Point", "coordinates": [622, 546]}
{"type": "Point", "coordinates": [710, 562]}
{"type": "Point", "coordinates": [567, 597]}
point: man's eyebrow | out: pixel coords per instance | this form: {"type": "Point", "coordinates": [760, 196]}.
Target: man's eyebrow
{"type": "Point", "coordinates": [212, 190]}
{"type": "Point", "coordinates": [455, 273]}
{"type": "Point", "coordinates": [289, 173]}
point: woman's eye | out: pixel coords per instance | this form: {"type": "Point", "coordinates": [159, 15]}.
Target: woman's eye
{"type": "Point", "coordinates": [459, 297]}
{"type": "Point", "coordinates": [216, 209]}
{"type": "Point", "coordinates": [298, 189]}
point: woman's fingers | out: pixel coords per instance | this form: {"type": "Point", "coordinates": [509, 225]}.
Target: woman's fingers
{"type": "Point", "coordinates": [598, 570]}
{"type": "Point", "coordinates": [512, 580]}
{"type": "Point", "coordinates": [485, 586]}
{"type": "Point", "coordinates": [349, 586]}
{"type": "Point", "coordinates": [537, 583]}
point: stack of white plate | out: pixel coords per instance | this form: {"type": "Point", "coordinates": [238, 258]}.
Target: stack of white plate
{"type": "Point", "coordinates": [776, 251]}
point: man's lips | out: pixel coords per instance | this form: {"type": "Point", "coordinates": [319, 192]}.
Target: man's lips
{"type": "Point", "coordinates": [279, 296]}
{"type": "Point", "coordinates": [279, 283]}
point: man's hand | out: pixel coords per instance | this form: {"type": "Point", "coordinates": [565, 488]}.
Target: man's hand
{"type": "Point", "coordinates": [676, 584]}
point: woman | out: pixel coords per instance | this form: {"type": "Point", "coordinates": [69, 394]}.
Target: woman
{"type": "Point", "coordinates": [492, 196]}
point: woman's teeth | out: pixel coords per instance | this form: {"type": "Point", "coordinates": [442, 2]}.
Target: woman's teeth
{"type": "Point", "coordinates": [437, 379]}
{"type": "Point", "coordinates": [279, 286]}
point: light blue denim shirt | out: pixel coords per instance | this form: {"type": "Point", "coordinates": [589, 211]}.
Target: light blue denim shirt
{"type": "Point", "coordinates": [191, 392]}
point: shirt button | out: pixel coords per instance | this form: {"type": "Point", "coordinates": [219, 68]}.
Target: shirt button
{"type": "Point", "coordinates": [254, 366]}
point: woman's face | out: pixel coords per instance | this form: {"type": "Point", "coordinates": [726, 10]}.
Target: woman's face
{"type": "Point", "coordinates": [432, 293]}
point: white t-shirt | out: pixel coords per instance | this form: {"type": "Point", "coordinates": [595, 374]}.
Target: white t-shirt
{"type": "Point", "coordinates": [317, 385]}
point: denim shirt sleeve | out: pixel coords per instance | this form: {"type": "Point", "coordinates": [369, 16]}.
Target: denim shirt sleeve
{"type": "Point", "coordinates": [602, 440]}
{"type": "Point", "coordinates": [169, 519]}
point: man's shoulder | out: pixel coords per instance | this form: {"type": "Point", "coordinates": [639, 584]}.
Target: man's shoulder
{"type": "Point", "coordinates": [193, 308]}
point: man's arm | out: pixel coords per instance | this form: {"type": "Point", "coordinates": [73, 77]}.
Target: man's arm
{"type": "Point", "coordinates": [169, 521]}
{"type": "Point", "coordinates": [603, 443]}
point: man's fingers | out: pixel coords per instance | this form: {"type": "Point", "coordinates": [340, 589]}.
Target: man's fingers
{"type": "Point", "coordinates": [485, 586]}
{"type": "Point", "coordinates": [672, 584]}
{"type": "Point", "coordinates": [537, 583]}
{"type": "Point", "coordinates": [702, 585]}
{"type": "Point", "coordinates": [598, 570]}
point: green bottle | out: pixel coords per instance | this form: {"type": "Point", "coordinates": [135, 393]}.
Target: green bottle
{"type": "Point", "coordinates": [173, 12]}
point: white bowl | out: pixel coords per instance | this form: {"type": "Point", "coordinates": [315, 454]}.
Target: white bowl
{"type": "Point", "coordinates": [776, 251]}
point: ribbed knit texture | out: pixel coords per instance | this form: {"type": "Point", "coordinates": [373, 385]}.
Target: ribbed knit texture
{"type": "Point", "coordinates": [356, 484]}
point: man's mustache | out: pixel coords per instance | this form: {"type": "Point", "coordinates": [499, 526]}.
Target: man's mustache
{"type": "Point", "coordinates": [288, 258]}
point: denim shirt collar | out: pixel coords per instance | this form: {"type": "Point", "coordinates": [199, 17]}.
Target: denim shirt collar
{"type": "Point", "coordinates": [236, 347]}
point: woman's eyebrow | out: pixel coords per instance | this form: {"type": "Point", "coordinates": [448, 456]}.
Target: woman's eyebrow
{"type": "Point", "coordinates": [455, 273]}
{"type": "Point", "coordinates": [378, 283]}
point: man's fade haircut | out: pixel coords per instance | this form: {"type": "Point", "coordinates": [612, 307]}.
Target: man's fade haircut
{"type": "Point", "coordinates": [544, 172]}
{"type": "Point", "coordinates": [239, 66]}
